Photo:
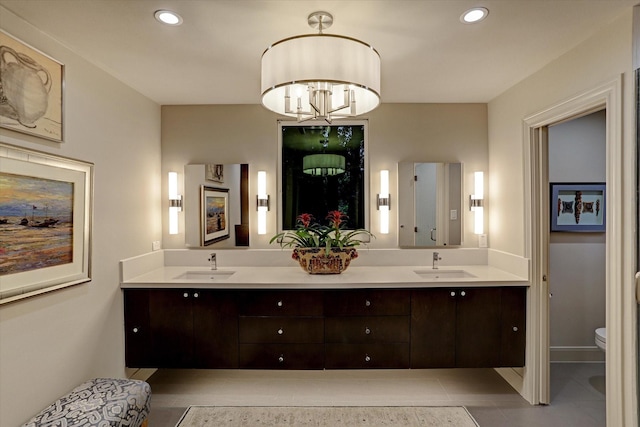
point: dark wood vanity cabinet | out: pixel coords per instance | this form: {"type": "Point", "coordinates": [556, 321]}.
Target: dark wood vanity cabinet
{"type": "Point", "coordinates": [468, 327]}
{"type": "Point", "coordinates": [281, 330]}
{"type": "Point", "coordinates": [177, 328]}
{"type": "Point", "coordinates": [333, 329]}
{"type": "Point", "coordinates": [367, 329]}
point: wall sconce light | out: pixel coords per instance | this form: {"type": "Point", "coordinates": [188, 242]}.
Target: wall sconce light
{"type": "Point", "coordinates": [383, 202]}
{"type": "Point", "coordinates": [476, 203]}
{"type": "Point", "coordinates": [175, 203]}
{"type": "Point", "coordinates": [262, 202]}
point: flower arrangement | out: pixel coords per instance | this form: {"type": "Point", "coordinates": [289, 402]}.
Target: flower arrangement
{"type": "Point", "coordinates": [309, 234]}
{"type": "Point", "coordinates": [322, 249]}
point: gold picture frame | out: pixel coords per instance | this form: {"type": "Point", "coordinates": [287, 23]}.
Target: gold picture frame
{"type": "Point", "coordinates": [31, 90]}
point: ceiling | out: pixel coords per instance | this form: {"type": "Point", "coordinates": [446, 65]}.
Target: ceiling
{"type": "Point", "coordinates": [427, 54]}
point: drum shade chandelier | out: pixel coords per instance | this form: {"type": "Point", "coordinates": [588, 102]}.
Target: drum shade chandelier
{"type": "Point", "coordinates": [323, 164]}
{"type": "Point", "coordinates": [320, 76]}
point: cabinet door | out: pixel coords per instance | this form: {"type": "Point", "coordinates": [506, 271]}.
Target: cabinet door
{"type": "Point", "coordinates": [433, 328]}
{"type": "Point", "coordinates": [367, 329]}
{"type": "Point", "coordinates": [137, 334]}
{"type": "Point", "coordinates": [367, 302]}
{"type": "Point", "coordinates": [513, 330]}
{"type": "Point", "coordinates": [215, 329]}
{"type": "Point", "coordinates": [478, 328]}
{"type": "Point", "coordinates": [171, 318]}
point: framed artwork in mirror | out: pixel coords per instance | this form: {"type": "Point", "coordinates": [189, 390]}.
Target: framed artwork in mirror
{"type": "Point", "coordinates": [214, 214]}
{"type": "Point", "coordinates": [322, 168]}
{"type": "Point", "coordinates": [45, 222]}
{"type": "Point", "coordinates": [214, 173]}
{"type": "Point", "coordinates": [578, 207]}
{"type": "Point", "coordinates": [31, 90]}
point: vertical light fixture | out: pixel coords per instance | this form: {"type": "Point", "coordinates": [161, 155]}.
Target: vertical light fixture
{"type": "Point", "coordinates": [175, 203]}
{"type": "Point", "coordinates": [476, 203]}
{"type": "Point", "coordinates": [262, 202]}
{"type": "Point", "coordinates": [383, 202]}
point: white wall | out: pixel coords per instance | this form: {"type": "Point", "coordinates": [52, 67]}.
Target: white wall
{"type": "Point", "coordinates": [51, 343]}
{"type": "Point", "coordinates": [577, 153]}
{"type": "Point", "coordinates": [397, 133]}
{"type": "Point", "coordinates": [602, 58]}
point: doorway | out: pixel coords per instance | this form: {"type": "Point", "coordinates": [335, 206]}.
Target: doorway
{"type": "Point", "coordinates": [619, 249]}
{"type": "Point", "coordinates": [577, 269]}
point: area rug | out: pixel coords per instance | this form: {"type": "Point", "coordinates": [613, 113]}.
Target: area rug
{"type": "Point", "coordinates": [329, 416]}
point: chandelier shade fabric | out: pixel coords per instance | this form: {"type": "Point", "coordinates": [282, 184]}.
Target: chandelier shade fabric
{"type": "Point", "coordinates": [320, 76]}
{"type": "Point", "coordinates": [323, 164]}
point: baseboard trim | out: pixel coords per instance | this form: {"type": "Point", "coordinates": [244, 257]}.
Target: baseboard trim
{"type": "Point", "coordinates": [576, 354]}
{"type": "Point", "coordinates": [513, 376]}
{"type": "Point", "coordinates": [142, 374]}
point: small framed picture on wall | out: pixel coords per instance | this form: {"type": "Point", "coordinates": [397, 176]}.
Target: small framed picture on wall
{"type": "Point", "coordinates": [578, 207]}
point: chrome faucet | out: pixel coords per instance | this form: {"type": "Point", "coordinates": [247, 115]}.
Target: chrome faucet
{"type": "Point", "coordinates": [436, 258]}
{"type": "Point", "coordinates": [213, 261]}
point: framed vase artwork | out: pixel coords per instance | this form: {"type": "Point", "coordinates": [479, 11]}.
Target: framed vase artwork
{"type": "Point", "coordinates": [214, 215]}
{"type": "Point", "coordinates": [45, 222]}
{"type": "Point", "coordinates": [578, 207]}
{"type": "Point", "coordinates": [31, 90]}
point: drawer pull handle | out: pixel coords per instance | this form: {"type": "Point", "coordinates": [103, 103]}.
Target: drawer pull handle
{"type": "Point", "coordinates": [280, 331]}
{"type": "Point", "coordinates": [367, 331]}
{"type": "Point", "coordinates": [281, 358]}
{"type": "Point", "coordinates": [195, 295]}
{"type": "Point", "coordinates": [186, 295]}
{"type": "Point", "coordinates": [515, 329]}
{"type": "Point", "coordinates": [367, 358]}
{"type": "Point", "coordinates": [463, 293]}
{"type": "Point", "coordinates": [453, 294]}
{"type": "Point", "coordinates": [135, 330]}
{"type": "Point", "coordinates": [367, 303]}
{"type": "Point", "coordinates": [279, 304]}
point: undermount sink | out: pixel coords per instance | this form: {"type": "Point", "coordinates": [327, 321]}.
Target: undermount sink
{"type": "Point", "coordinates": [205, 275]}
{"type": "Point", "coordinates": [443, 274]}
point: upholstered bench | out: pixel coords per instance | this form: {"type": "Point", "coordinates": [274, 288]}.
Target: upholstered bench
{"type": "Point", "coordinates": [104, 402]}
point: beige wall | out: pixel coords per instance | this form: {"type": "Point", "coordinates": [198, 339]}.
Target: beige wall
{"type": "Point", "coordinates": [601, 58]}
{"type": "Point", "coordinates": [51, 343]}
{"type": "Point", "coordinates": [397, 132]}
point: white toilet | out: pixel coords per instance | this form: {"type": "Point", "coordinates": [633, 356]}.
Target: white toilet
{"type": "Point", "coordinates": [601, 338]}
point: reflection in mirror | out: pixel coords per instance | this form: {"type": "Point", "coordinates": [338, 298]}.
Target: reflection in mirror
{"type": "Point", "coordinates": [231, 178]}
{"type": "Point", "coordinates": [430, 204]}
{"type": "Point", "coordinates": [322, 169]}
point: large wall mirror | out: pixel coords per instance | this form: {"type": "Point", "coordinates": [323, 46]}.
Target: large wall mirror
{"type": "Point", "coordinates": [216, 205]}
{"type": "Point", "coordinates": [430, 204]}
{"type": "Point", "coordinates": [323, 168]}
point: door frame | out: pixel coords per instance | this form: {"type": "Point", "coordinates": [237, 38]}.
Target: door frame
{"type": "Point", "coordinates": [621, 367]}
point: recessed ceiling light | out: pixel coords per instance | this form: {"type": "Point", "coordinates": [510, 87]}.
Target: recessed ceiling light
{"type": "Point", "coordinates": [168, 17]}
{"type": "Point", "coordinates": [474, 15]}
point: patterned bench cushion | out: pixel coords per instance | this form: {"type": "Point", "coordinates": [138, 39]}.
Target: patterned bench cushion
{"type": "Point", "coordinates": [103, 402]}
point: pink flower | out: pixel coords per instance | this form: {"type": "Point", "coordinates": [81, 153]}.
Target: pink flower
{"type": "Point", "coordinates": [336, 217]}
{"type": "Point", "coordinates": [305, 219]}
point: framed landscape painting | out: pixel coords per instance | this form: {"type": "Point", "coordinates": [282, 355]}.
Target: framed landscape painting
{"type": "Point", "coordinates": [45, 222]}
{"type": "Point", "coordinates": [31, 90]}
{"type": "Point", "coordinates": [578, 207]}
{"type": "Point", "coordinates": [214, 214]}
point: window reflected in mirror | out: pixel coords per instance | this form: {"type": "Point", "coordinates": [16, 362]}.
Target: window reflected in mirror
{"type": "Point", "coordinates": [323, 169]}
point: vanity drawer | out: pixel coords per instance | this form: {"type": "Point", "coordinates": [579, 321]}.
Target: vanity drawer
{"type": "Point", "coordinates": [367, 302]}
{"type": "Point", "coordinates": [367, 329]}
{"type": "Point", "coordinates": [365, 356]}
{"type": "Point", "coordinates": [282, 356]}
{"type": "Point", "coordinates": [281, 329]}
{"type": "Point", "coordinates": [281, 303]}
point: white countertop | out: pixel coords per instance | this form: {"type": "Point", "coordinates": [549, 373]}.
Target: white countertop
{"type": "Point", "coordinates": [296, 278]}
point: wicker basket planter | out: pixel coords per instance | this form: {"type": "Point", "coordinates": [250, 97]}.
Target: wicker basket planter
{"type": "Point", "coordinates": [317, 261]}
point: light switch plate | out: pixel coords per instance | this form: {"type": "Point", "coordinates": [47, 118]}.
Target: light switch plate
{"type": "Point", "coordinates": [482, 240]}
{"type": "Point", "coordinates": [453, 214]}
{"type": "Point", "coordinates": [155, 245]}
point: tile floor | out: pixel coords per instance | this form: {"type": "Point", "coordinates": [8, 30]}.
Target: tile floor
{"type": "Point", "coordinates": [577, 392]}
